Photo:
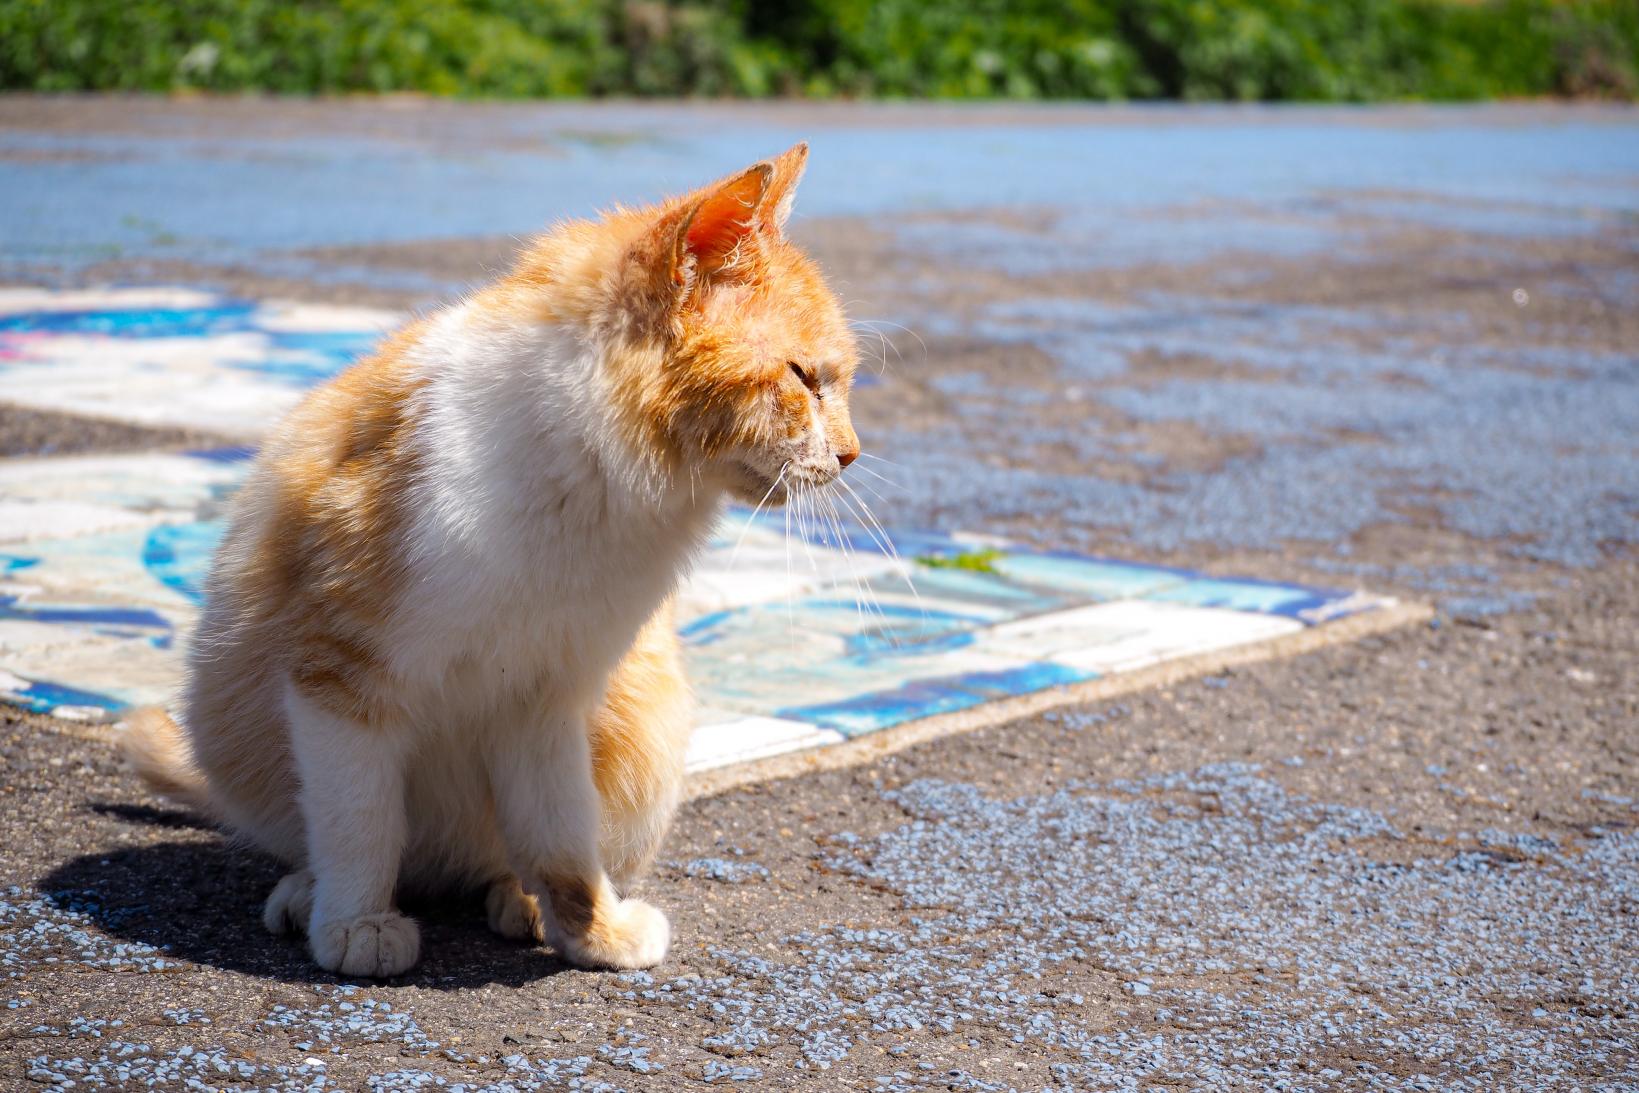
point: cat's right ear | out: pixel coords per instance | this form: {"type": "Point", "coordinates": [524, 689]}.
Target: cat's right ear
{"type": "Point", "coordinates": [782, 190]}
{"type": "Point", "coordinates": [712, 236]}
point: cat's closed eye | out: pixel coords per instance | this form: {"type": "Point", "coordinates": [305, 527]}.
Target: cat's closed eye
{"type": "Point", "coordinates": [808, 377]}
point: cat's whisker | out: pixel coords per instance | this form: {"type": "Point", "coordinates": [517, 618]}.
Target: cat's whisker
{"type": "Point", "coordinates": [887, 483]}
{"type": "Point", "coordinates": [881, 353]}
{"type": "Point", "coordinates": [860, 613]}
{"type": "Point", "coordinates": [845, 547]}
{"type": "Point", "coordinates": [886, 542]}
{"type": "Point", "coordinates": [790, 591]}
{"type": "Point", "coordinates": [872, 527]}
{"type": "Point", "coordinates": [868, 324]}
{"type": "Point", "coordinates": [832, 534]}
{"type": "Point", "coordinates": [828, 579]}
{"type": "Point", "coordinates": [874, 492]}
{"type": "Point", "coordinates": [807, 533]}
{"type": "Point", "coordinates": [800, 517]}
{"type": "Point", "coordinates": [880, 459]}
{"type": "Point", "coordinates": [890, 322]}
{"type": "Point", "coordinates": [752, 519]}
{"type": "Point", "coordinates": [873, 601]}
{"type": "Point", "coordinates": [807, 529]}
{"type": "Point", "coordinates": [884, 346]}
{"type": "Point", "coordinates": [848, 571]}
{"type": "Point", "coordinates": [884, 479]}
{"type": "Point", "coordinates": [865, 597]}
{"type": "Point", "coordinates": [833, 577]}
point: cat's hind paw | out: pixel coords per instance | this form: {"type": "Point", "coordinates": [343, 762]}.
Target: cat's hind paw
{"type": "Point", "coordinates": [634, 934]}
{"type": "Point", "coordinates": [376, 945]}
{"type": "Point", "coordinates": [512, 912]}
{"type": "Point", "coordinates": [290, 904]}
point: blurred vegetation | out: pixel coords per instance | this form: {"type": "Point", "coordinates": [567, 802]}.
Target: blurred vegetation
{"type": "Point", "coordinates": [1358, 50]}
{"type": "Point", "coordinates": [977, 561]}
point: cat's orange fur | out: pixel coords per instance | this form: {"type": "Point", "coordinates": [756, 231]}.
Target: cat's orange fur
{"type": "Point", "coordinates": [446, 586]}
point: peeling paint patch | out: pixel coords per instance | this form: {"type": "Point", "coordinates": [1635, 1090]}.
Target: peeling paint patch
{"type": "Point", "coordinates": [798, 633]}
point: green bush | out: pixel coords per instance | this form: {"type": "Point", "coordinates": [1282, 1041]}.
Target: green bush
{"type": "Point", "coordinates": [1326, 50]}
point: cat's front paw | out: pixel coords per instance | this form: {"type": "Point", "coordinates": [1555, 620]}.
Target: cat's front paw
{"type": "Point", "coordinates": [633, 934]}
{"type": "Point", "coordinates": [375, 945]}
{"type": "Point", "coordinates": [290, 904]}
{"type": "Point", "coordinates": [512, 912]}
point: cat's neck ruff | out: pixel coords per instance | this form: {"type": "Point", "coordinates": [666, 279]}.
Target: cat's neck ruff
{"type": "Point", "coordinates": [535, 532]}
{"type": "Point", "coordinates": [521, 414]}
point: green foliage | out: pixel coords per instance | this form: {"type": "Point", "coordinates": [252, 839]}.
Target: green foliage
{"type": "Point", "coordinates": [976, 561]}
{"type": "Point", "coordinates": [1327, 50]}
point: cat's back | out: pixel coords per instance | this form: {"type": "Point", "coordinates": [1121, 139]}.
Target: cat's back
{"type": "Point", "coordinates": [303, 578]}
{"type": "Point", "coordinates": [328, 492]}
{"type": "Point", "coordinates": [309, 558]}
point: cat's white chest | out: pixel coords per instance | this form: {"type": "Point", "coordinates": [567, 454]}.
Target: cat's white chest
{"type": "Point", "coordinates": [535, 554]}
{"type": "Point", "coordinates": [545, 606]}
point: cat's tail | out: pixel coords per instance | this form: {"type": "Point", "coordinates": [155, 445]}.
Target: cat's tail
{"type": "Point", "coordinates": [155, 747]}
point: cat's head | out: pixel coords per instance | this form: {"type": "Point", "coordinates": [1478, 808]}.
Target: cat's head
{"type": "Point", "coordinates": [738, 359]}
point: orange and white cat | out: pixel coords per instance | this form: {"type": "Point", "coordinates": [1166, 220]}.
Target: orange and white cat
{"type": "Point", "coordinates": [437, 650]}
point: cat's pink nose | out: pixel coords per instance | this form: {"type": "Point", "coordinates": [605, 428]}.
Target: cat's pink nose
{"type": "Point", "coordinates": [847, 456]}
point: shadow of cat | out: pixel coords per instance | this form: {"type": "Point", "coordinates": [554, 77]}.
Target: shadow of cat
{"type": "Point", "coordinates": [202, 902]}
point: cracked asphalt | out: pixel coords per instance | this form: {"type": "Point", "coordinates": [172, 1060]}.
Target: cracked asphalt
{"type": "Point", "coordinates": [1393, 349]}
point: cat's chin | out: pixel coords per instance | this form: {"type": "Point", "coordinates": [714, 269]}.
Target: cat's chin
{"type": "Point", "coordinates": [754, 488]}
